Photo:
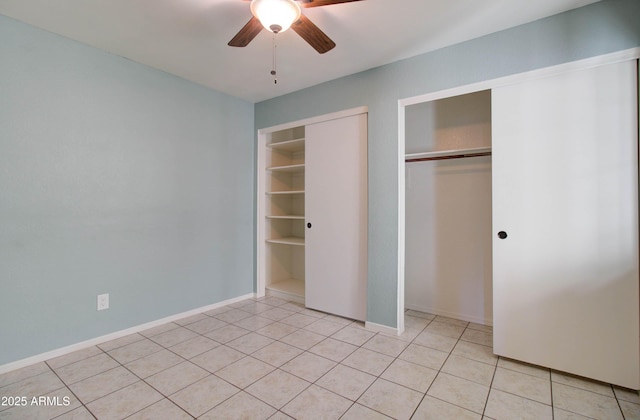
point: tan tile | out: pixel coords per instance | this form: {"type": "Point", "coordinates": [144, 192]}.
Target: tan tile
{"type": "Point", "coordinates": [53, 404]}
{"type": "Point", "coordinates": [273, 301]}
{"type": "Point", "coordinates": [347, 382]}
{"type": "Point", "coordinates": [408, 335]}
{"type": "Point", "coordinates": [420, 314]}
{"type": "Point", "coordinates": [217, 358]}
{"type": "Point", "coordinates": [368, 361]}
{"type": "Point", "coordinates": [582, 383]}
{"type": "Point", "coordinates": [29, 387]}
{"type": "Point", "coordinates": [333, 349]}
{"type": "Point", "coordinates": [585, 403]}
{"type": "Point", "coordinates": [338, 319]}
{"type": "Point", "coordinates": [119, 342]}
{"type": "Point", "coordinates": [240, 406]}
{"type": "Point", "coordinates": [277, 330]}
{"type": "Point", "coordinates": [435, 341]}
{"type": "Point", "coordinates": [233, 315]}
{"type": "Point", "coordinates": [460, 392]}
{"type": "Point", "coordinates": [480, 327]}
{"type": "Point", "coordinates": [125, 401]}
{"type": "Point", "coordinates": [625, 394]}
{"type": "Point", "coordinates": [391, 399]}
{"type": "Point", "coordinates": [218, 310]}
{"type": "Point", "coordinates": [173, 337]}
{"type": "Point", "coordinates": [385, 345]}
{"type": "Point", "coordinates": [73, 357]}
{"type": "Point", "coordinates": [23, 373]}
{"type": "Point", "coordinates": [159, 329]}
{"type": "Point", "coordinates": [177, 377]}
{"type": "Point", "coordinates": [559, 414]}
{"type": "Point", "coordinates": [434, 409]}
{"type": "Point", "coordinates": [540, 372]}
{"type": "Point", "coordinates": [414, 322]}
{"type": "Point", "coordinates": [244, 372]}
{"type": "Point", "coordinates": [85, 368]}
{"type": "Point", "coordinates": [98, 386]}
{"type": "Point", "coordinates": [254, 323]}
{"type": "Point", "coordinates": [135, 350]}
{"type": "Point", "coordinates": [308, 366]}
{"type": "Point", "coordinates": [293, 306]}
{"type": "Point", "coordinates": [303, 339]}
{"type": "Point", "coordinates": [474, 351]}
{"type": "Point", "coordinates": [424, 356]}
{"type": "Point", "coordinates": [256, 307]}
{"type": "Point", "coordinates": [191, 319]}
{"type": "Point", "coordinates": [277, 353]}
{"type": "Point", "coordinates": [502, 405]}
{"type": "Point", "coordinates": [352, 335]}
{"type": "Point", "coordinates": [227, 333]}
{"type": "Point", "coordinates": [277, 314]}
{"type": "Point", "coordinates": [299, 320]}
{"type": "Point", "coordinates": [524, 385]}
{"type": "Point", "coordinates": [80, 413]}
{"type": "Point", "coordinates": [206, 325]}
{"type": "Point", "coordinates": [202, 396]}
{"type": "Point", "coordinates": [446, 329]}
{"type": "Point", "coordinates": [163, 409]}
{"type": "Point", "coordinates": [250, 343]}
{"type": "Point", "coordinates": [154, 363]}
{"type": "Point", "coordinates": [277, 388]}
{"type": "Point", "coordinates": [316, 403]}
{"type": "Point", "coordinates": [472, 370]}
{"type": "Point", "coordinates": [452, 321]}
{"type": "Point", "coordinates": [324, 327]}
{"type": "Point", "coordinates": [630, 410]}
{"type": "Point", "coordinates": [193, 347]}
{"type": "Point", "coordinates": [360, 412]}
{"type": "Point", "coordinates": [410, 375]}
{"type": "Point", "coordinates": [479, 337]}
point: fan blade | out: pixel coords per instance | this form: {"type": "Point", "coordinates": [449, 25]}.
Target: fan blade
{"type": "Point", "coordinates": [246, 34]}
{"type": "Point", "coordinates": [317, 3]}
{"type": "Point", "coordinates": [313, 35]}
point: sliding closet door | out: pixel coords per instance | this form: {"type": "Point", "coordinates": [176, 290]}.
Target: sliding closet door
{"type": "Point", "coordinates": [336, 216]}
{"type": "Point", "coordinates": [565, 221]}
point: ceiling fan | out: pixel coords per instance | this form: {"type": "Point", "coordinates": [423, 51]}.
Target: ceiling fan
{"type": "Point", "coordinates": [278, 15]}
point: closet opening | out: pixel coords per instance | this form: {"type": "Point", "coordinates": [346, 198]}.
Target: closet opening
{"type": "Point", "coordinates": [447, 206]}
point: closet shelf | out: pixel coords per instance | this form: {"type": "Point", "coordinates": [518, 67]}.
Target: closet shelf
{"type": "Point", "coordinates": [287, 168]}
{"type": "Point", "coordinates": [447, 154]}
{"type": "Point", "coordinates": [288, 287]}
{"type": "Point", "coordinates": [292, 146]}
{"type": "Point", "coordinates": [285, 192]}
{"type": "Point", "coordinates": [292, 240]}
{"type": "Point", "coordinates": [287, 217]}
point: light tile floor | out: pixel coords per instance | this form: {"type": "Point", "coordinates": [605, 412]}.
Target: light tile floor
{"type": "Point", "coordinates": [269, 358]}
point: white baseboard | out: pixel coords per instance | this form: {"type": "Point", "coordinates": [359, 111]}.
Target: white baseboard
{"type": "Point", "coordinates": [381, 328]}
{"type": "Point", "coordinates": [103, 339]}
{"type": "Point", "coordinates": [448, 314]}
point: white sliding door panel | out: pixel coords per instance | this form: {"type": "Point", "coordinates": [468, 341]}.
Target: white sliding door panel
{"type": "Point", "coordinates": [565, 191]}
{"type": "Point", "coordinates": [336, 208]}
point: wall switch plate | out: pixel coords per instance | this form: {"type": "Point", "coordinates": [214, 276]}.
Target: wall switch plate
{"type": "Point", "coordinates": [103, 301]}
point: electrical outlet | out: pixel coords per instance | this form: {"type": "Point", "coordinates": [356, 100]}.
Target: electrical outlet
{"type": "Point", "coordinates": [103, 301]}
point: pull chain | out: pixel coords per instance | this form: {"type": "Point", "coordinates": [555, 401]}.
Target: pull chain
{"type": "Point", "coordinates": [273, 63]}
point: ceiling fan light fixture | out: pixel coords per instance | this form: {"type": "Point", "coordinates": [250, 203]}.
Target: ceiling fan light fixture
{"type": "Point", "coordinates": [276, 15]}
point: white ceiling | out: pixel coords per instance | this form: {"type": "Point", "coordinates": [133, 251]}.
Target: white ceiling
{"type": "Point", "coordinates": [189, 38]}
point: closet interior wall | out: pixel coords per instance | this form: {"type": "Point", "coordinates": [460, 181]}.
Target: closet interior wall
{"type": "Point", "coordinates": [448, 268]}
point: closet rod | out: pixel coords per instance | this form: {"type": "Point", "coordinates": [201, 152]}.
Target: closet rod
{"type": "Point", "coordinates": [460, 156]}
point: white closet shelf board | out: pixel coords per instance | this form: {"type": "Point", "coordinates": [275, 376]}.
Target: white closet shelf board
{"type": "Point", "coordinates": [285, 192]}
{"type": "Point", "coordinates": [287, 217]}
{"type": "Point", "coordinates": [291, 240]}
{"type": "Point", "coordinates": [446, 153]}
{"type": "Point", "coordinates": [291, 146]}
{"type": "Point", "coordinates": [287, 168]}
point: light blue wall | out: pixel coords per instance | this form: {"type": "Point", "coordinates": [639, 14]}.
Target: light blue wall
{"type": "Point", "coordinates": [114, 178]}
{"type": "Point", "coordinates": [589, 31]}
